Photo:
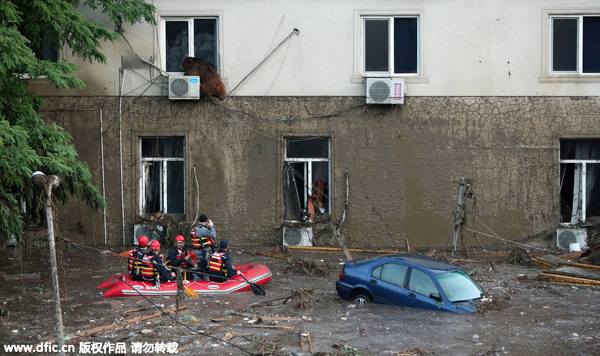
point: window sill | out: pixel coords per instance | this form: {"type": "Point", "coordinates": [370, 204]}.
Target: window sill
{"type": "Point", "coordinates": [570, 78]}
{"type": "Point", "coordinates": [407, 80]}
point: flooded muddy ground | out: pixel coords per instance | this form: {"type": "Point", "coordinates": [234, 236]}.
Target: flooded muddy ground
{"type": "Point", "coordinates": [524, 318]}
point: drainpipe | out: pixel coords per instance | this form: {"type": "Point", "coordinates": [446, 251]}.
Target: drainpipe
{"type": "Point", "coordinates": [121, 153]}
{"type": "Point", "coordinates": [457, 221]}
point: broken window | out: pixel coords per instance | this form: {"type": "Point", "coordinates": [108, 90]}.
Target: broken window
{"type": "Point", "coordinates": [162, 175]}
{"type": "Point", "coordinates": [306, 176]}
{"type": "Point", "coordinates": [197, 37]}
{"type": "Point", "coordinates": [579, 184]}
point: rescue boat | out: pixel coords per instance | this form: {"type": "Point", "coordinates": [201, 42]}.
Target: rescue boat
{"type": "Point", "coordinates": [123, 286]}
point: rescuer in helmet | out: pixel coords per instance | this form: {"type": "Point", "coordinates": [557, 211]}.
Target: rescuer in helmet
{"type": "Point", "coordinates": [153, 268]}
{"type": "Point", "coordinates": [134, 263]}
{"type": "Point", "coordinates": [179, 256]}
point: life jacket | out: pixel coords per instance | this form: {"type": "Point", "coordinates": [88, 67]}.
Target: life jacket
{"type": "Point", "coordinates": [149, 271]}
{"type": "Point", "coordinates": [132, 258]}
{"type": "Point", "coordinates": [216, 264]}
{"type": "Point", "coordinates": [201, 242]}
{"type": "Point", "coordinates": [180, 253]}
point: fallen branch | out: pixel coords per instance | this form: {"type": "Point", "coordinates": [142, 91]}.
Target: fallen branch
{"type": "Point", "coordinates": [20, 277]}
{"type": "Point", "coordinates": [99, 329]}
{"type": "Point", "coordinates": [285, 299]}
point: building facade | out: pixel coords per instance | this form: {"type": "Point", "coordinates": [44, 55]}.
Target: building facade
{"type": "Point", "coordinates": [504, 93]}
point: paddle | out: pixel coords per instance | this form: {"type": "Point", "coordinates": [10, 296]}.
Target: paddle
{"type": "Point", "coordinates": [256, 289]}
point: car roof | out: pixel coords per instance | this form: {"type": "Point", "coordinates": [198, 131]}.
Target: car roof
{"type": "Point", "coordinates": [419, 260]}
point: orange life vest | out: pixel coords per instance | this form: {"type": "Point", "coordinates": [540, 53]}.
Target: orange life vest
{"type": "Point", "coordinates": [200, 242]}
{"type": "Point", "coordinates": [216, 263]}
{"type": "Point", "coordinates": [132, 258]}
{"type": "Point", "coordinates": [149, 271]}
{"type": "Point", "coordinates": [180, 253]}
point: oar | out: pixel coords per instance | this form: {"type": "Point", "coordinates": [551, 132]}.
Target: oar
{"type": "Point", "coordinates": [256, 289]}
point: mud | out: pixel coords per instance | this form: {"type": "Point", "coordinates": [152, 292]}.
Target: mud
{"type": "Point", "coordinates": [535, 318]}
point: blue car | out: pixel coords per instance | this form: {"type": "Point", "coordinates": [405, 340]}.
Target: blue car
{"type": "Point", "coordinates": [410, 280]}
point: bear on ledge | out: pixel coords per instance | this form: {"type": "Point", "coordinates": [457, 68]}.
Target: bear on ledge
{"type": "Point", "coordinates": [210, 82]}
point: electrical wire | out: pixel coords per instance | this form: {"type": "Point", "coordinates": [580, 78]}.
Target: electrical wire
{"type": "Point", "coordinates": [149, 300]}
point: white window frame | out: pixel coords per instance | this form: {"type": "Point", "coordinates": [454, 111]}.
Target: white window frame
{"type": "Point", "coordinates": [163, 183]}
{"type": "Point", "coordinates": [359, 74]}
{"type": "Point", "coordinates": [547, 76]}
{"type": "Point", "coordinates": [391, 69]}
{"type": "Point", "coordinates": [308, 169]}
{"type": "Point", "coordinates": [190, 15]}
{"type": "Point", "coordinates": [579, 18]}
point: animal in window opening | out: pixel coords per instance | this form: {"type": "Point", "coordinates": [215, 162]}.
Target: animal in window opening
{"type": "Point", "coordinates": [210, 81]}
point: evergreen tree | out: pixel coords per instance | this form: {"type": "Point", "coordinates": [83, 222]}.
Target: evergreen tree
{"type": "Point", "coordinates": [27, 144]}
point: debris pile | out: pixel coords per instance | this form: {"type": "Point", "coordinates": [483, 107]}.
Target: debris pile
{"type": "Point", "coordinates": [519, 256]}
{"type": "Point", "coordinates": [304, 298]}
{"type": "Point", "coordinates": [489, 303]}
{"type": "Point", "coordinates": [306, 267]}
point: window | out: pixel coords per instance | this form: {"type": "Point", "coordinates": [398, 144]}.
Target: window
{"type": "Point", "coordinates": [579, 183]}
{"type": "Point", "coordinates": [421, 283]}
{"type": "Point", "coordinates": [575, 44]}
{"type": "Point", "coordinates": [392, 273]}
{"type": "Point", "coordinates": [196, 36]}
{"type": "Point", "coordinates": [306, 176]}
{"type": "Point", "coordinates": [162, 175]}
{"type": "Point", "coordinates": [390, 45]}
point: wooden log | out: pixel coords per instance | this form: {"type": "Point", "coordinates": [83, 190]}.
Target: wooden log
{"type": "Point", "coordinates": [272, 327]}
{"type": "Point", "coordinates": [567, 278]}
{"type": "Point", "coordinates": [279, 318]}
{"type": "Point", "coordinates": [99, 329]}
{"type": "Point", "coordinates": [20, 277]}
{"type": "Point", "coordinates": [336, 249]}
{"type": "Point", "coordinates": [215, 330]}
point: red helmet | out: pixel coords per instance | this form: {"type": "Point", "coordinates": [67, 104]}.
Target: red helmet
{"type": "Point", "coordinates": [179, 238]}
{"type": "Point", "coordinates": [143, 241]}
{"type": "Point", "coordinates": [155, 245]}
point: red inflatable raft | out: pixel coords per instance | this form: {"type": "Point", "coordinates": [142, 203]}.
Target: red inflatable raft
{"type": "Point", "coordinates": [123, 286]}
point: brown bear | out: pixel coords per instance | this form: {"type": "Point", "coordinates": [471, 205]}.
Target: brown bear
{"type": "Point", "coordinates": [210, 82]}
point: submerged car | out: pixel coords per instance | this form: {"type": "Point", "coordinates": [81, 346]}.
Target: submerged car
{"type": "Point", "coordinates": [410, 280]}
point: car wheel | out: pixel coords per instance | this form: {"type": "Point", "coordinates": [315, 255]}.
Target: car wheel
{"type": "Point", "coordinates": [362, 299]}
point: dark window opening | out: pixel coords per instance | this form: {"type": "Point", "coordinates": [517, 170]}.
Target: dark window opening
{"type": "Point", "coordinates": [402, 41]}
{"type": "Point", "coordinates": [579, 183]}
{"type": "Point", "coordinates": [202, 42]}
{"type": "Point", "coordinates": [306, 179]}
{"type": "Point", "coordinates": [163, 175]}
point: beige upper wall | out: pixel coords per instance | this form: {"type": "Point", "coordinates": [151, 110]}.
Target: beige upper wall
{"type": "Point", "coordinates": [468, 48]}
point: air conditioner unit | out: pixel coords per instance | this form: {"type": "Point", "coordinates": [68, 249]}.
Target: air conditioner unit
{"type": "Point", "coordinates": [152, 232]}
{"type": "Point", "coordinates": [300, 236]}
{"type": "Point", "coordinates": [385, 91]}
{"type": "Point", "coordinates": [184, 87]}
{"type": "Point", "coordinates": [565, 237]}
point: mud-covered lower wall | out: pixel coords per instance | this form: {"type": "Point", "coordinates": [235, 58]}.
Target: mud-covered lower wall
{"type": "Point", "coordinates": [403, 162]}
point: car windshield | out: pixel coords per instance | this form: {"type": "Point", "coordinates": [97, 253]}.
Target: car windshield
{"type": "Point", "coordinates": [458, 286]}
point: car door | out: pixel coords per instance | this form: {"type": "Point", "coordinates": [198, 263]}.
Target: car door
{"type": "Point", "coordinates": [420, 286]}
{"type": "Point", "coordinates": [387, 283]}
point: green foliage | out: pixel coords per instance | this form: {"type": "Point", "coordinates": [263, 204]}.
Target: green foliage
{"type": "Point", "coordinates": [349, 351]}
{"type": "Point", "coordinates": [27, 144]}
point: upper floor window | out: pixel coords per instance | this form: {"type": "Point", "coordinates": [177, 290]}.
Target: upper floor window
{"type": "Point", "coordinates": [196, 36]}
{"type": "Point", "coordinates": [575, 44]}
{"type": "Point", "coordinates": [162, 172]}
{"type": "Point", "coordinates": [390, 45]}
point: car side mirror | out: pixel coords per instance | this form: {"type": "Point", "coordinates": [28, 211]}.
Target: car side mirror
{"type": "Point", "coordinates": [435, 296]}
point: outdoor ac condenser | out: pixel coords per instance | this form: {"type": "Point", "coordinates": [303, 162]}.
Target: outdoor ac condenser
{"type": "Point", "coordinates": [385, 91]}
{"type": "Point", "coordinates": [184, 87]}
{"type": "Point", "coordinates": [300, 236]}
{"type": "Point", "coordinates": [565, 237]}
